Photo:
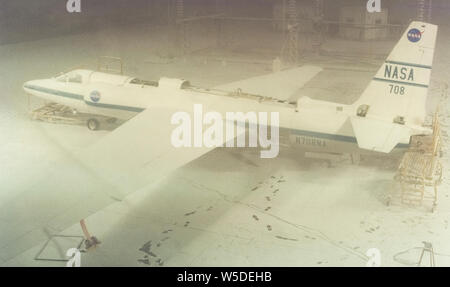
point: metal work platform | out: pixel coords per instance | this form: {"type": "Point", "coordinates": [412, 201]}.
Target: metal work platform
{"type": "Point", "coordinates": [420, 171]}
{"type": "Point", "coordinates": [57, 114]}
{"type": "Point", "coordinates": [60, 114]}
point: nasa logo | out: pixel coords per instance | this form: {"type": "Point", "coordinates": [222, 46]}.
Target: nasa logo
{"type": "Point", "coordinates": [414, 35]}
{"type": "Point", "coordinates": [396, 73]}
{"type": "Point", "coordinates": [95, 96]}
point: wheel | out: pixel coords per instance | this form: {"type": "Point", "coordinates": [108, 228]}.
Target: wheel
{"type": "Point", "coordinates": [93, 124]}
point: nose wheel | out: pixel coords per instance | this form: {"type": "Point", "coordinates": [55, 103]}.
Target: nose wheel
{"type": "Point", "coordinates": [93, 124]}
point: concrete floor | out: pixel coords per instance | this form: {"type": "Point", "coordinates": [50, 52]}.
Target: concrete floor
{"type": "Point", "coordinates": [228, 207]}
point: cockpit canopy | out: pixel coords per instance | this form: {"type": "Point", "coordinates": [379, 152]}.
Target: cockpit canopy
{"type": "Point", "coordinates": [87, 76]}
{"type": "Point", "coordinates": [70, 77]}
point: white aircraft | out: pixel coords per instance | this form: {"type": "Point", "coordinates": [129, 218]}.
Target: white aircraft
{"type": "Point", "coordinates": [388, 113]}
{"type": "Point", "coordinates": [138, 155]}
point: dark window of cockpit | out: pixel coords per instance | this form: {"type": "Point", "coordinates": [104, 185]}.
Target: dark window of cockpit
{"type": "Point", "coordinates": [70, 78]}
{"type": "Point", "coordinates": [75, 78]}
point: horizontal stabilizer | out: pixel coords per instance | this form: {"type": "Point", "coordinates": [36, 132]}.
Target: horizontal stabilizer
{"type": "Point", "coordinates": [377, 135]}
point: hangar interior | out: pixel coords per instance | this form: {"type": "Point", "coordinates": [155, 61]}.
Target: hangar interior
{"type": "Point", "coordinates": [229, 207]}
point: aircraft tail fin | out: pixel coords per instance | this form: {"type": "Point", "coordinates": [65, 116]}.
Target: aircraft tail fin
{"type": "Point", "coordinates": [396, 96]}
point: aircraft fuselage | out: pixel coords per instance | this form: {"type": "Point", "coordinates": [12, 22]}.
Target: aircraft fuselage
{"type": "Point", "coordinates": [311, 125]}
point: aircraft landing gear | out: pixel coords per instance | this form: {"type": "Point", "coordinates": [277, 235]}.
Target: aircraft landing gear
{"type": "Point", "coordinates": [93, 124]}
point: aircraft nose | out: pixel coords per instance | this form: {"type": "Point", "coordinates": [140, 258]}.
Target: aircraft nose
{"type": "Point", "coordinates": [32, 86]}
{"type": "Point", "coordinates": [29, 84]}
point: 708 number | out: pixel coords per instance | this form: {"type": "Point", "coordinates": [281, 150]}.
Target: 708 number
{"type": "Point", "coordinates": [397, 90]}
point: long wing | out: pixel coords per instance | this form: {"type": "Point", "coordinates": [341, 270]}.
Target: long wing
{"type": "Point", "coordinates": [280, 85]}
{"type": "Point", "coordinates": [378, 135]}
{"type": "Point", "coordinates": [140, 151]}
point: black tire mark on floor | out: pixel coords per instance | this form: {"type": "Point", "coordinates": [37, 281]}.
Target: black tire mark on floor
{"type": "Point", "coordinates": [285, 238]}
{"type": "Point", "coordinates": [146, 247]}
{"type": "Point", "coordinates": [144, 261]}
{"type": "Point", "coordinates": [190, 213]}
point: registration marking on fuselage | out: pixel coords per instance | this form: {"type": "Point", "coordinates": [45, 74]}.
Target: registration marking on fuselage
{"type": "Point", "coordinates": [310, 141]}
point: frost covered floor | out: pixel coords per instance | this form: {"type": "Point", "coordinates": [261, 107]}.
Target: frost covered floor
{"type": "Point", "coordinates": [228, 207]}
